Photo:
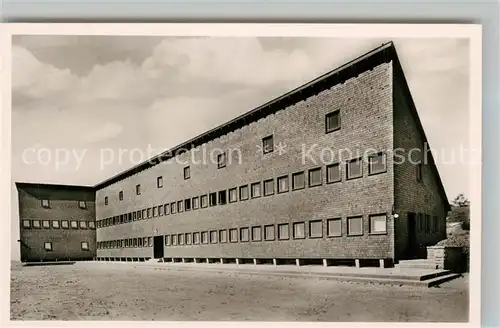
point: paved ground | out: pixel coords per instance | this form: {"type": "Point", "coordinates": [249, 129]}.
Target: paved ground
{"type": "Point", "coordinates": [119, 291]}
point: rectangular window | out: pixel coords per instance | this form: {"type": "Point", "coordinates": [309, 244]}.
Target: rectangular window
{"type": "Point", "coordinates": [64, 224]}
{"type": "Point", "coordinates": [180, 207]}
{"type": "Point", "coordinates": [332, 121]}
{"type": "Point", "coordinates": [166, 209]}
{"type": "Point", "coordinates": [174, 240]}
{"type": "Point", "coordinates": [159, 182]}
{"type": "Point", "coordinates": [125, 218]}
{"type": "Point", "coordinates": [46, 224]}
{"type": "Point", "coordinates": [269, 232]}
{"type": "Point", "coordinates": [256, 233]}
{"type": "Point", "coordinates": [196, 203]}
{"type": "Point", "coordinates": [233, 195]}
{"type": "Point", "coordinates": [378, 224]}
{"type": "Point", "coordinates": [204, 237]}
{"type": "Point", "coordinates": [315, 178]}
{"type": "Point", "coordinates": [222, 197]}
{"type": "Point", "coordinates": [283, 184]}
{"type": "Point", "coordinates": [221, 160]}
{"type": "Point", "coordinates": [180, 238]}
{"type": "Point", "coordinates": [45, 203]}
{"type": "Point", "coordinates": [203, 201]}
{"type": "Point", "coordinates": [149, 213]}
{"type": "Point", "coordinates": [436, 224]}
{"type": "Point", "coordinates": [267, 144]}
{"type": "Point", "coordinates": [255, 189]}
{"type": "Point", "coordinates": [213, 237]}
{"type": "Point", "coordinates": [106, 200]}
{"type": "Point", "coordinates": [155, 211]}
{"type": "Point", "coordinates": [223, 236]}
{"type": "Point", "coordinates": [47, 246]}
{"type": "Point", "coordinates": [243, 192]}
{"type": "Point", "coordinates": [334, 227]}
{"type": "Point", "coordinates": [187, 238]}
{"type": "Point", "coordinates": [82, 204]}
{"type": "Point", "coordinates": [172, 208]}
{"type": "Point", "coordinates": [126, 243]}
{"type": "Point", "coordinates": [74, 224]}
{"type": "Point", "coordinates": [138, 189]}
{"type": "Point", "coordinates": [167, 240]}
{"type": "Point", "coordinates": [427, 223]}
{"type": "Point", "coordinates": [244, 234]}
{"type": "Point", "coordinates": [299, 230]}
{"type": "Point", "coordinates": [333, 173]}
{"type": "Point", "coordinates": [233, 235]}
{"type": "Point", "coordinates": [136, 242]}
{"type": "Point", "coordinates": [85, 246]}
{"type": "Point", "coordinates": [298, 181]}
{"type": "Point", "coordinates": [316, 229]}
{"type": "Point", "coordinates": [91, 225]}
{"type": "Point", "coordinates": [377, 164]}
{"type": "Point", "coordinates": [83, 224]}
{"type": "Point", "coordinates": [187, 173]}
{"type": "Point", "coordinates": [196, 238]}
{"type": "Point", "coordinates": [120, 195]}
{"type": "Point", "coordinates": [55, 224]}
{"type": "Point", "coordinates": [269, 187]}
{"type": "Point", "coordinates": [420, 219]}
{"type": "Point", "coordinates": [160, 210]}
{"type": "Point", "coordinates": [418, 168]}
{"type": "Point", "coordinates": [213, 199]}
{"type": "Point", "coordinates": [354, 168]}
{"type": "Point", "coordinates": [283, 231]}
{"type": "Point", "coordinates": [187, 204]}
{"type": "Point", "coordinates": [355, 226]}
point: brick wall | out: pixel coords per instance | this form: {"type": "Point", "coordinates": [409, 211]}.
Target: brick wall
{"type": "Point", "coordinates": [366, 114]}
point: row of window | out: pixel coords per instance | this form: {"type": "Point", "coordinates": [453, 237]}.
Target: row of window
{"type": "Point", "coordinates": [377, 225]}
{"type": "Point", "coordinates": [332, 123]}
{"type": "Point", "coordinates": [81, 203]}
{"type": "Point", "coordinates": [56, 224]}
{"type": "Point", "coordinates": [427, 223]}
{"type": "Point", "coordinates": [245, 192]}
{"type": "Point", "coordinates": [48, 246]}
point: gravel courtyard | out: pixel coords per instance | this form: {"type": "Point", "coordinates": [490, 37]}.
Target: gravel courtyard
{"type": "Point", "coordinates": [119, 291]}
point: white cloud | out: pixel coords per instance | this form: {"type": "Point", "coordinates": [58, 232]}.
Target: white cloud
{"type": "Point", "coordinates": [107, 131]}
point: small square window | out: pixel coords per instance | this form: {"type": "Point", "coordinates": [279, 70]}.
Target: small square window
{"type": "Point", "coordinates": [138, 189]}
{"type": "Point", "coordinates": [222, 197]}
{"type": "Point", "coordinates": [299, 230]}
{"type": "Point", "coordinates": [91, 225]}
{"type": "Point", "coordinates": [180, 238]}
{"type": "Point", "coordinates": [243, 192]}
{"type": "Point", "coordinates": [233, 195]}
{"type": "Point", "coordinates": [283, 184]}
{"type": "Point", "coordinates": [83, 224]}
{"type": "Point", "coordinates": [377, 164]}
{"type": "Point", "coordinates": [204, 237]}
{"type": "Point", "coordinates": [213, 237]}
{"type": "Point", "coordinates": [159, 182]}
{"type": "Point", "coordinates": [267, 144]}
{"type": "Point", "coordinates": [355, 226]}
{"type": "Point", "coordinates": [64, 224]}
{"type": "Point", "coordinates": [167, 240]}
{"type": "Point", "coordinates": [203, 201]}
{"type": "Point", "coordinates": [45, 203]}
{"type": "Point", "coordinates": [172, 208]}
{"type": "Point", "coordinates": [187, 204]}
{"type": "Point", "coordinates": [233, 235]}
{"type": "Point", "coordinates": [316, 229]}
{"type": "Point", "coordinates": [269, 232]}
{"type": "Point", "coordinates": [333, 173]}
{"type": "Point", "coordinates": [155, 211]}
{"type": "Point", "coordinates": [223, 236]}
{"type": "Point", "coordinates": [315, 178]}
{"type": "Point", "coordinates": [298, 181]}
{"type": "Point", "coordinates": [378, 224]}
{"type": "Point", "coordinates": [106, 200]}
{"type": "Point", "coordinates": [26, 224]}
{"type": "Point", "coordinates": [174, 240]}
{"type": "Point", "coordinates": [187, 238]}
{"type": "Point", "coordinates": [47, 246]}
{"type": "Point", "coordinates": [354, 168]}
{"type": "Point", "coordinates": [334, 227]}
{"type": "Point", "coordinates": [269, 187]}
{"type": "Point", "coordinates": [46, 224]}
{"type": "Point", "coordinates": [74, 224]}
{"type": "Point", "coordinates": [187, 173]}
{"type": "Point", "coordinates": [82, 204]}
{"type": "Point", "coordinates": [149, 213]}
{"type": "Point", "coordinates": [332, 121]}
{"type": "Point", "coordinates": [244, 234]}
{"type": "Point", "coordinates": [221, 160]}
{"type": "Point", "coordinates": [196, 238]}
{"type": "Point", "coordinates": [255, 189]}
{"type": "Point", "coordinates": [256, 233]}
{"type": "Point", "coordinates": [160, 210]}
{"type": "Point", "coordinates": [283, 231]}
{"type": "Point", "coordinates": [213, 199]}
{"type": "Point", "coordinates": [120, 195]}
{"type": "Point", "coordinates": [419, 169]}
{"type": "Point", "coordinates": [166, 209]}
{"type": "Point", "coordinates": [85, 246]}
{"type": "Point", "coordinates": [196, 203]}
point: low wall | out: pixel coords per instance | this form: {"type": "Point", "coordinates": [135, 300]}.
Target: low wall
{"type": "Point", "coordinates": [448, 258]}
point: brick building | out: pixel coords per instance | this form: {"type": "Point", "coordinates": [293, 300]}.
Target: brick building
{"type": "Point", "coordinates": [314, 175]}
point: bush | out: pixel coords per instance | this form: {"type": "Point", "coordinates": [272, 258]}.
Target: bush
{"type": "Point", "coordinates": [459, 238]}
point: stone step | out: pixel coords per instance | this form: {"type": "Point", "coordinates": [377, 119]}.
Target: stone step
{"type": "Point", "coordinates": [417, 264]}
{"type": "Point", "coordinates": [442, 279]}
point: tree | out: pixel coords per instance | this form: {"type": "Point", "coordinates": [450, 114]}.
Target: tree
{"type": "Point", "coordinates": [460, 211]}
{"type": "Point", "coordinates": [461, 201]}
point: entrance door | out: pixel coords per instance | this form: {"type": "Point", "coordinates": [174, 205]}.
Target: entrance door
{"type": "Point", "coordinates": [412, 249]}
{"type": "Point", "coordinates": [158, 247]}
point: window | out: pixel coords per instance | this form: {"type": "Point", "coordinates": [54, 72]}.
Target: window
{"type": "Point", "coordinates": [283, 184]}
{"type": "Point", "coordinates": [91, 225]}
{"type": "Point", "coordinates": [267, 144]}
{"type": "Point", "coordinates": [167, 240]}
{"type": "Point", "coordinates": [269, 232]}
{"type": "Point", "coordinates": [269, 187]}
{"type": "Point", "coordinates": [138, 215]}
{"type": "Point", "coordinates": [332, 121]}
{"type": "Point", "coordinates": [180, 238]}
{"type": "Point", "coordinates": [355, 226]}
{"type": "Point", "coordinates": [83, 224]}
{"type": "Point", "coordinates": [223, 236]}
{"type": "Point", "coordinates": [82, 204]}
{"type": "Point", "coordinates": [187, 238]}
{"type": "Point", "coordinates": [139, 242]}
{"type": "Point", "coordinates": [147, 215]}
{"type": "Point", "coordinates": [233, 195]}
{"type": "Point", "coordinates": [427, 223]}
{"type": "Point", "coordinates": [213, 237]}
{"type": "Point", "coordinates": [377, 164]}
{"type": "Point", "coordinates": [204, 237]}
{"type": "Point", "coordinates": [136, 242]}
{"type": "Point", "coordinates": [243, 192]}
{"type": "Point", "coordinates": [203, 201]}
{"type": "Point", "coordinates": [172, 208]}
{"type": "Point", "coordinates": [47, 246]}
{"type": "Point", "coordinates": [196, 238]}
{"type": "Point", "coordinates": [85, 246]}
{"type": "Point", "coordinates": [106, 200]}
{"type": "Point", "coordinates": [256, 233]}
{"type": "Point", "coordinates": [255, 189]}
{"type": "Point", "coordinates": [196, 203]}
{"type": "Point", "coordinates": [233, 235]}
{"type": "Point", "coordinates": [26, 224]}
{"type": "Point", "coordinates": [187, 173]}
{"type": "Point", "coordinates": [221, 160]}
{"type": "Point", "coordinates": [180, 207]}
{"type": "Point", "coordinates": [378, 224]}
{"type": "Point", "coordinates": [315, 178]}
{"type": "Point", "coordinates": [160, 210]}
{"type": "Point", "coordinates": [316, 229]}
{"type": "Point", "coordinates": [222, 197]}
{"type": "Point", "coordinates": [298, 181]}
{"type": "Point", "coordinates": [436, 224]}
{"type": "Point", "coordinates": [333, 173]}
{"type": "Point", "coordinates": [126, 243]}
{"type": "Point", "coordinates": [174, 240]}
{"type": "Point", "coordinates": [244, 234]}
{"type": "Point", "coordinates": [421, 221]}
{"type": "Point", "coordinates": [299, 230]}
{"type": "Point", "coordinates": [283, 231]}
{"type": "Point", "coordinates": [155, 211]}
{"type": "Point", "coordinates": [354, 168]}
{"type": "Point", "coordinates": [74, 224]}
{"type": "Point", "coordinates": [46, 224]}
{"type": "Point", "coordinates": [187, 204]}
{"type": "Point", "coordinates": [419, 172]}
{"type": "Point", "coordinates": [159, 182]}
{"type": "Point", "coordinates": [120, 195]}
{"type": "Point", "coordinates": [138, 189]}
{"type": "Point", "coordinates": [166, 208]}
{"type": "Point", "coordinates": [213, 199]}
{"type": "Point", "coordinates": [125, 218]}
{"type": "Point", "coordinates": [64, 224]}
{"type": "Point", "coordinates": [334, 227]}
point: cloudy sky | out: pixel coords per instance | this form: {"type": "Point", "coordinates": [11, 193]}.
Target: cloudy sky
{"type": "Point", "coordinates": [83, 94]}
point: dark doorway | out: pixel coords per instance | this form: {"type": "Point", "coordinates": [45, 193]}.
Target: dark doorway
{"type": "Point", "coordinates": [412, 250]}
{"type": "Point", "coordinates": [158, 247]}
